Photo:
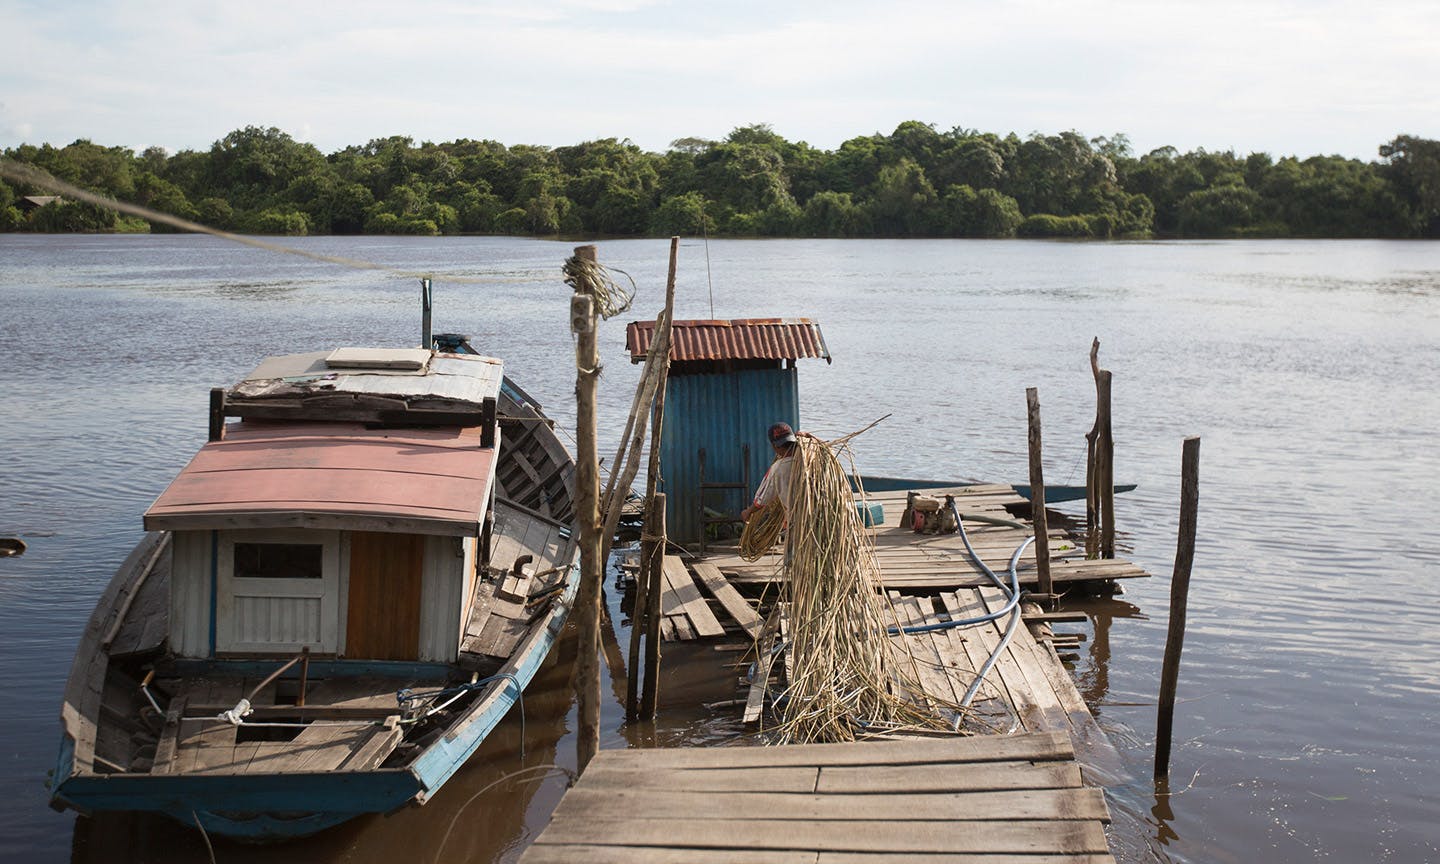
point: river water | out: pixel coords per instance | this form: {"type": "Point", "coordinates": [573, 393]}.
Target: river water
{"type": "Point", "coordinates": [1307, 725]}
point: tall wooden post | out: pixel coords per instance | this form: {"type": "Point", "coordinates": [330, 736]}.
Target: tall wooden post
{"type": "Point", "coordinates": [1105, 451]}
{"type": "Point", "coordinates": [658, 363]}
{"type": "Point", "coordinates": [1179, 597]}
{"type": "Point", "coordinates": [587, 510]}
{"type": "Point", "coordinates": [1092, 475]}
{"type": "Point", "coordinates": [654, 554]}
{"type": "Point", "coordinates": [427, 341]}
{"type": "Point", "coordinates": [217, 413]}
{"type": "Point", "coordinates": [1037, 500]}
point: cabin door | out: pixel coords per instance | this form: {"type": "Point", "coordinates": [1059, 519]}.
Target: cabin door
{"type": "Point", "coordinates": [386, 575]}
{"type": "Point", "coordinates": [277, 591]}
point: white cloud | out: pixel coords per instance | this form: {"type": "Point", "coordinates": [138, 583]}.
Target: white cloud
{"type": "Point", "coordinates": [1287, 77]}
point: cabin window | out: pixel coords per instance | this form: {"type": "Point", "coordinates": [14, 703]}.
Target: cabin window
{"type": "Point", "coordinates": [279, 560]}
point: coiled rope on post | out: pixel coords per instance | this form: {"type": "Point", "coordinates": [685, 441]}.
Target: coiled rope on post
{"type": "Point", "coordinates": [588, 277]}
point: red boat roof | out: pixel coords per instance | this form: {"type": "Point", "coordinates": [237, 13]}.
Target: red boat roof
{"type": "Point", "coordinates": [332, 475]}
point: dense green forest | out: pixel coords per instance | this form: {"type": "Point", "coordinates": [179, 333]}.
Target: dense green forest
{"type": "Point", "coordinates": [915, 182]}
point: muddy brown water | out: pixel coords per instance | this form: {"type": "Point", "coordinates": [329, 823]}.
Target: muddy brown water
{"type": "Point", "coordinates": [1307, 727]}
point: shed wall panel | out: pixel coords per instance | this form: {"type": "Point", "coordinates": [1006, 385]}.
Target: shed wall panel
{"type": "Point", "coordinates": [190, 593]}
{"type": "Point", "coordinates": [721, 412]}
{"type": "Point", "coordinates": [443, 581]}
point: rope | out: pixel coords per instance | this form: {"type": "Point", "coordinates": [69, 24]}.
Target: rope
{"type": "Point", "coordinates": [588, 277]}
{"type": "Point", "coordinates": [762, 531]}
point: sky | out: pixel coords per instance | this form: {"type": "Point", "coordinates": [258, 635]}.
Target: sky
{"type": "Point", "coordinates": [1285, 77]}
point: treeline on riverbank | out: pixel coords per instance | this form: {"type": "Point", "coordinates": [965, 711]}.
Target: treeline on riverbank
{"type": "Point", "coordinates": [914, 182]}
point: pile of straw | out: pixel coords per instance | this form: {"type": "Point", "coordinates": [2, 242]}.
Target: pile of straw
{"type": "Point", "coordinates": [847, 677]}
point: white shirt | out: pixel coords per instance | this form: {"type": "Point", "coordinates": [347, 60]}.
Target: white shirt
{"type": "Point", "coordinates": [776, 483]}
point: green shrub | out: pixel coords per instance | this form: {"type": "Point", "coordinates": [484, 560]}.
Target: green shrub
{"type": "Point", "coordinates": [1047, 225]}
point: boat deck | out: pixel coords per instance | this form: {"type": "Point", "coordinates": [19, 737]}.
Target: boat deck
{"type": "Point", "coordinates": [349, 725]}
{"type": "Point", "coordinates": [995, 799]}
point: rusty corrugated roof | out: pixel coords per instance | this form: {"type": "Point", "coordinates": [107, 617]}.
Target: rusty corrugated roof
{"type": "Point", "coordinates": [741, 339]}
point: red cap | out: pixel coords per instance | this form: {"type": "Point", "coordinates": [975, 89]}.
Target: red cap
{"type": "Point", "coordinates": [781, 433]}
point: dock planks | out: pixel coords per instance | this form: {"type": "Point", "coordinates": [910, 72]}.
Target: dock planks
{"type": "Point", "coordinates": [981, 796]}
{"type": "Point", "coordinates": [933, 562]}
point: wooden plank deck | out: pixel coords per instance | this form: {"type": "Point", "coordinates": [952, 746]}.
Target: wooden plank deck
{"type": "Point", "coordinates": [993, 799]}
{"type": "Point", "coordinates": [934, 562]}
{"type": "Point", "coordinates": [685, 610]}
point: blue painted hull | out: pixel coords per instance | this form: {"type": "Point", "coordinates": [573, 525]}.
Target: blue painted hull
{"type": "Point", "coordinates": [274, 807]}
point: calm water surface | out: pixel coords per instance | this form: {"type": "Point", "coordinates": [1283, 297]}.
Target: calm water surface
{"type": "Point", "coordinates": [1311, 682]}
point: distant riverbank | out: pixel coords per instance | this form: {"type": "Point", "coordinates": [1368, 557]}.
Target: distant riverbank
{"type": "Point", "coordinates": [914, 182]}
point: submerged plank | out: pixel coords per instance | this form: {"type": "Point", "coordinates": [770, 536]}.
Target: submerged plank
{"type": "Point", "coordinates": [735, 605]}
{"type": "Point", "coordinates": [684, 595]}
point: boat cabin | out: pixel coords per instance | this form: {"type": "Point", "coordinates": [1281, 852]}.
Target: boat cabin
{"type": "Point", "coordinates": [344, 511]}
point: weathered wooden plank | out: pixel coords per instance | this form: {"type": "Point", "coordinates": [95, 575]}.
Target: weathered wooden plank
{"type": "Point", "coordinates": [929, 666]}
{"type": "Point", "coordinates": [1067, 803]}
{"type": "Point", "coordinates": [944, 777]}
{"type": "Point", "coordinates": [204, 746]}
{"type": "Point", "coordinates": [959, 858]}
{"type": "Point", "coordinates": [765, 658]}
{"type": "Point", "coordinates": [735, 605]}
{"type": "Point", "coordinates": [545, 853]}
{"type": "Point", "coordinates": [1017, 836]}
{"type": "Point", "coordinates": [1045, 746]}
{"type": "Point", "coordinates": [369, 755]}
{"type": "Point", "coordinates": [1019, 660]}
{"type": "Point", "coordinates": [800, 778]}
{"type": "Point", "coordinates": [165, 748]}
{"type": "Point", "coordinates": [683, 591]}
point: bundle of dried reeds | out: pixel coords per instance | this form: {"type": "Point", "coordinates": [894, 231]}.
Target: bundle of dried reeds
{"type": "Point", "coordinates": [847, 677]}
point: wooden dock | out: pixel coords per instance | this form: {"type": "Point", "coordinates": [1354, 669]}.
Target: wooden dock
{"type": "Point", "coordinates": [933, 562]}
{"type": "Point", "coordinates": [1013, 790]}
{"type": "Point", "coordinates": [996, 799]}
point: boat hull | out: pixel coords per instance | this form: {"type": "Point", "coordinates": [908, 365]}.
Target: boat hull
{"type": "Point", "coordinates": [264, 808]}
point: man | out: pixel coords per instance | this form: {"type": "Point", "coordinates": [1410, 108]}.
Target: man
{"type": "Point", "coordinates": [776, 484]}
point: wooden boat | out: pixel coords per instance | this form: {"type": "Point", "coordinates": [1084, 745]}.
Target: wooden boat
{"type": "Point", "coordinates": [337, 599]}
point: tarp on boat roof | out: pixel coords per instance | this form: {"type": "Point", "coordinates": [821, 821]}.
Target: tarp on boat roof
{"type": "Point", "coordinates": [466, 379]}
{"type": "Point", "coordinates": [332, 475]}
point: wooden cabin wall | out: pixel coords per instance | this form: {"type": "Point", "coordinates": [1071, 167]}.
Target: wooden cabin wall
{"type": "Point", "coordinates": [448, 581]}
{"type": "Point", "coordinates": [190, 593]}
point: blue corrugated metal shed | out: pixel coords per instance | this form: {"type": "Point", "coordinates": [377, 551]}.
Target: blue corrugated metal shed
{"type": "Point", "coordinates": [729, 380]}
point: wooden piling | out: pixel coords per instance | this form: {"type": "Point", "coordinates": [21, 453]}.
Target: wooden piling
{"type": "Point", "coordinates": [652, 551]}
{"type": "Point", "coordinates": [628, 455]}
{"type": "Point", "coordinates": [1037, 499]}
{"type": "Point", "coordinates": [1105, 448]}
{"type": "Point", "coordinates": [217, 413]}
{"type": "Point", "coordinates": [658, 361]}
{"type": "Point", "coordinates": [427, 341]}
{"type": "Point", "coordinates": [587, 510]}
{"type": "Point", "coordinates": [1179, 596]}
